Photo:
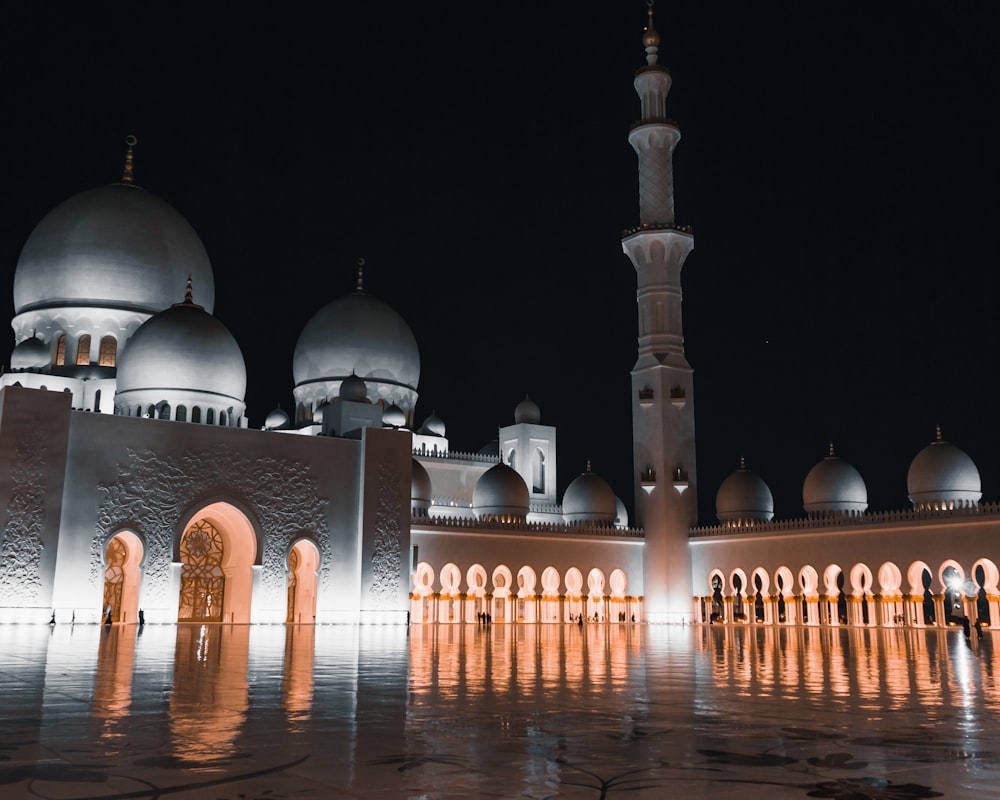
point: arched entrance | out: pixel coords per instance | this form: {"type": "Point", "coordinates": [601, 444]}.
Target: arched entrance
{"type": "Point", "coordinates": [122, 557]}
{"type": "Point", "coordinates": [217, 553]}
{"type": "Point", "coordinates": [303, 566]}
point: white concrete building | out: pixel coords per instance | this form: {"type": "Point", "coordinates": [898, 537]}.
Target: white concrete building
{"type": "Point", "coordinates": [132, 486]}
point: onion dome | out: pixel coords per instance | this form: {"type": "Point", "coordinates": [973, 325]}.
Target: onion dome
{"type": "Point", "coordinates": [420, 490]}
{"type": "Point", "coordinates": [527, 411]}
{"type": "Point", "coordinates": [32, 353]}
{"type": "Point", "coordinates": [588, 498]}
{"type": "Point", "coordinates": [491, 448]}
{"type": "Point", "coordinates": [393, 416]}
{"type": "Point", "coordinates": [353, 389]}
{"type": "Point", "coordinates": [942, 476]}
{"type": "Point", "coordinates": [183, 355]}
{"type": "Point", "coordinates": [276, 420]}
{"type": "Point", "coordinates": [833, 487]}
{"type": "Point", "coordinates": [433, 426]}
{"type": "Point", "coordinates": [500, 492]}
{"type": "Point", "coordinates": [357, 335]}
{"type": "Point", "coordinates": [743, 498]}
{"type": "Point", "coordinates": [116, 246]}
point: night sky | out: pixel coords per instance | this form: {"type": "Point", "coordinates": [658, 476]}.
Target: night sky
{"type": "Point", "coordinates": [839, 164]}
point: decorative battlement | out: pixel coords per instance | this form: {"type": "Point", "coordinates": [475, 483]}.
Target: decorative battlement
{"type": "Point", "coordinates": [657, 226]}
{"type": "Point", "coordinates": [454, 455]}
{"type": "Point", "coordinates": [851, 520]}
{"type": "Point", "coordinates": [578, 529]}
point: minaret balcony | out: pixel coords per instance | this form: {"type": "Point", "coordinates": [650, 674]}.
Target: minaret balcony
{"type": "Point", "coordinates": [656, 226]}
{"type": "Point", "coordinates": [678, 397]}
{"type": "Point", "coordinates": [647, 480]}
{"type": "Point", "coordinates": [680, 480]}
{"type": "Point", "coordinates": [646, 397]}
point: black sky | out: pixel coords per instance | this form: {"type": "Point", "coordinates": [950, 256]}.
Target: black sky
{"type": "Point", "coordinates": [839, 163]}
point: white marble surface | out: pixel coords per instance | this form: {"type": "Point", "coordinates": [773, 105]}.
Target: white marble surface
{"type": "Point", "coordinates": [528, 711]}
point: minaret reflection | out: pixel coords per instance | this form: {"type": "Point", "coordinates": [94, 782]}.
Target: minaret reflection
{"type": "Point", "coordinates": [208, 706]}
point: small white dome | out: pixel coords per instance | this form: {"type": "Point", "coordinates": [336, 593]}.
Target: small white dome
{"type": "Point", "coordinates": [500, 492]}
{"type": "Point", "coordinates": [393, 416]}
{"type": "Point", "coordinates": [353, 389]}
{"type": "Point", "coordinates": [185, 349]}
{"type": "Point", "coordinates": [834, 487]}
{"type": "Point", "coordinates": [420, 490]}
{"type": "Point", "coordinates": [116, 246]}
{"type": "Point", "coordinates": [527, 411]}
{"type": "Point", "coordinates": [943, 476]}
{"type": "Point", "coordinates": [744, 497]}
{"type": "Point", "coordinates": [433, 426]}
{"type": "Point", "coordinates": [32, 353]}
{"type": "Point", "coordinates": [589, 498]}
{"type": "Point", "coordinates": [276, 419]}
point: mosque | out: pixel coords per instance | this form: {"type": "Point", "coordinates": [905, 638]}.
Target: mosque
{"type": "Point", "coordinates": [134, 488]}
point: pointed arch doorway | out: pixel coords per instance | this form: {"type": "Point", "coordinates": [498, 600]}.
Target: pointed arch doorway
{"type": "Point", "coordinates": [303, 567]}
{"type": "Point", "coordinates": [122, 557]}
{"type": "Point", "coordinates": [217, 552]}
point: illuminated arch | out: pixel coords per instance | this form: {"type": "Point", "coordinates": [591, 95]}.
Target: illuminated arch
{"type": "Point", "coordinates": [890, 579]}
{"type": "Point", "coordinates": [945, 566]}
{"type": "Point", "coordinates": [991, 576]}
{"type": "Point", "coordinates": [915, 576]}
{"type": "Point", "coordinates": [809, 581]}
{"type": "Point", "coordinates": [526, 580]}
{"type": "Point", "coordinates": [574, 582]}
{"type": "Point", "coordinates": [303, 571]}
{"type": "Point", "coordinates": [123, 558]}
{"type": "Point", "coordinates": [423, 579]}
{"type": "Point", "coordinates": [550, 581]}
{"type": "Point", "coordinates": [450, 577]}
{"type": "Point", "coordinates": [861, 580]}
{"type": "Point", "coordinates": [618, 583]}
{"type": "Point", "coordinates": [217, 552]}
{"type": "Point", "coordinates": [475, 580]}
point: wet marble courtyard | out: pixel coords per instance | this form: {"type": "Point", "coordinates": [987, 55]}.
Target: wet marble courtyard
{"type": "Point", "coordinates": [524, 711]}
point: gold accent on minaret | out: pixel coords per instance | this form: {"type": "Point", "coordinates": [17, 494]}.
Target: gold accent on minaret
{"type": "Point", "coordinates": [937, 433]}
{"type": "Point", "coordinates": [650, 37]}
{"type": "Point", "coordinates": [128, 175]}
{"type": "Point", "coordinates": [832, 454]}
{"type": "Point", "coordinates": [188, 297]}
{"type": "Point", "coordinates": [743, 463]}
{"type": "Point", "coordinates": [361, 276]}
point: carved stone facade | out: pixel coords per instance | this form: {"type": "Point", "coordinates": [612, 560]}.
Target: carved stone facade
{"type": "Point", "coordinates": [154, 490]}
{"type": "Point", "coordinates": [21, 550]}
{"type": "Point", "coordinates": [386, 555]}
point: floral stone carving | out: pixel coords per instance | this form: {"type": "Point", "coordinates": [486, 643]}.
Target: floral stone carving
{"type": "Point", "coordinates": [21, 551]}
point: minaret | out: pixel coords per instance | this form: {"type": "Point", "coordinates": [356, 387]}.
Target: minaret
{"type": "Point", "coordinates": [662, 386]}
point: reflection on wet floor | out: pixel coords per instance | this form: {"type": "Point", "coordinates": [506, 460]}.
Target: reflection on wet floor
{"type": "Point", "coordinates": [533, 711]}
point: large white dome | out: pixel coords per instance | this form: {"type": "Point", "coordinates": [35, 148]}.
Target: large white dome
{"type": "Point", "coordinates": [116, 246]}
{"type": "Point", "coordinates": [943, 476]}
{"type": "Point", "coordinates": [183, 349]}
{"type": "Point", "coordinates": [744, 497]}
{"type": "Point", "coordinates": [360, 335]}
{"type": "Point", "coordinates": [500, 492]}
{"type": "Point", "coordinates": [588, 498]}
{"type": "Point", "coordinates": [834, 487]}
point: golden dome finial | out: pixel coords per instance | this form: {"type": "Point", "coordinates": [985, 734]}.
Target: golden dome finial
{"type": "Point", "coordinates": [832, 454]}
{"type": "Point", "coordinates": [937, 433]}
{"type": "Point", "coordinates": [128, 173]}
{"type": "Point", "coordinates": [650, 38]}
{"type": "Point", "coordinates": [743, 463]}
{"type": "Point", "coordinates": [588, 465]}
{"type": "Point", "coordinates": [361, 276]}
{"type": "Point", "coordinates": [189, 292]}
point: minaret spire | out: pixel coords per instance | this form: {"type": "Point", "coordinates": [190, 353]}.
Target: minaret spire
{"type": "Point", "coordinates": [361, 276]}
{"type": "Point", "coordinates": [128, 175]}
{"type": "Point", "coordinates": [650, 37]}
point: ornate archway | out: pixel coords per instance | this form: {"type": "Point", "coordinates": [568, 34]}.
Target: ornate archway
{"type": "Point", "coordinates": [303, 569]}
{"type": "Point", "coordinates": [217, 552]}
{"type": "Point", "coordinates": [122, 557]}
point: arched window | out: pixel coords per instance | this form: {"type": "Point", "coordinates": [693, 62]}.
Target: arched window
{"type": "Point", "coordinates": [222, 418]}
{"type": "Point", "coordinates": [196, 414]}
{"type": "Point", "coordinates": [61, 350]}
{"type": "Point", "coordinates": [182, 414]}
{"type": "Point", "coordinates": [538, 472]}
{"type": "Point", "coordinates": [83, 350]}
{"type": "Point", "coordinates": [97, 401]}
{"type": "Point", "coordinates": [109, 349]}
{"type": "Point", "coordinates": [151, 412]}
{"type": "Point", "coordinates": [210, 417]}
{"type": "Point", "coordinates": [164, 411]}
